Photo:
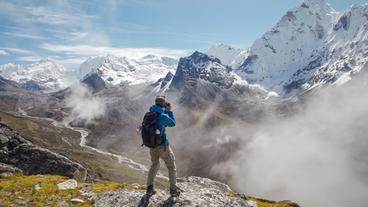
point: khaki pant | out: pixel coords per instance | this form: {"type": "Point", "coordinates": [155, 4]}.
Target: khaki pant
{"type": "Point", "coordinates": [169, 159]}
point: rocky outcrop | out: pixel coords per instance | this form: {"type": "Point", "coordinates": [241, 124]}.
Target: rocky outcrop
{"type": "Point", "coordinates": [94, 82]}
{"type": "Point", "coordinates": [22, 154]}
{"type": "Point", "coordinates": [195, 191]}
{"type": "Point", "coordinates": [63, 192]}
{"type": "Point", "coordinates": [5, 168]}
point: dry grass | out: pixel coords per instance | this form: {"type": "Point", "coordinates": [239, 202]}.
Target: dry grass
{"type": "Point", "coordinates": [266, 203]}
{"type": "Point", "coordinates": [19, 190]}
{"type": "Point", "coordinates": [262, 202]}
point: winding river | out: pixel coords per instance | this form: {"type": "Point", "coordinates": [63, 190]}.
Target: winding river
{"type": "Point", "coordinates": [83, 140]}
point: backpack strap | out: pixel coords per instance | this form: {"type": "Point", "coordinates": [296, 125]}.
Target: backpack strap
{"type": "Point", "coordinates": [158, 116]}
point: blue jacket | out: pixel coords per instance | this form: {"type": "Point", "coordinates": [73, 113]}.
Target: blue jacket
{"type": "Point", "coordinates": [165, 119]}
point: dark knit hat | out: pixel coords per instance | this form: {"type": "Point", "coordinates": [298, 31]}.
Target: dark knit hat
{"type": "Point", "coordinates": [160, 100]}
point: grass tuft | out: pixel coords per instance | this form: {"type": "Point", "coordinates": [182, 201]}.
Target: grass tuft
{"type": "Point", "coordinates": [19, 190]}
{"type": "Point", "coordinates": [267, 203]}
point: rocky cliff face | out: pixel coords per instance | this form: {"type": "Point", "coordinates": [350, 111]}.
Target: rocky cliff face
{"type": "Point", "coordinates": [22, 154]}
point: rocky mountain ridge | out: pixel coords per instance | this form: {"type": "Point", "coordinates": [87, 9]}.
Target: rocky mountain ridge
{"type": "Point", "coordinates": [201, 67]}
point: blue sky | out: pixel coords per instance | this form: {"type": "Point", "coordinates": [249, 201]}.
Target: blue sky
{"type": "Point", "coordinates": [71, 30]}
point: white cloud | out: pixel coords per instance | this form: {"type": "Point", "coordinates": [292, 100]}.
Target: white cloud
{"type": "Point", "coordinates": [70, 35]}
{"type": "Point", "coordinates": [71, 63]}
{"type": "Point", "coordinates": [84, 105]}
{"type": "Point", "coordinates": [53, 17]}
{"type": "Point", "coordinates": [3, 52]}
{"type": "Point", "coordinates": [22, 35]}
{"type": "Point", "coordinates": [54, 13]}
{"type": "Point", "coordinates": [88, 50]}
{"type": "Point", "coordinates": [16, 50]}
{"type": "Point", "coordinates": [316, 156]}
{"type": "Point", "coordinates": [29, 58]}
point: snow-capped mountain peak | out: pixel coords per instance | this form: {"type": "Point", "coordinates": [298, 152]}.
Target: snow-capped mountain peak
{"type": "Point", "coordinates": [47, 73]}
{"type": "Point", "coordinates": [315, 3]}
{"type": "Point", "coordinates": [116, 70]}
{"type": "Point", "coordinates": [290, 46]}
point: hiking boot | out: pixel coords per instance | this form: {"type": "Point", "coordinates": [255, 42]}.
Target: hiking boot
{"type": "Point", "coordinates": [150, 190]}
{"type": "Point", "coordinates": [174, 192]}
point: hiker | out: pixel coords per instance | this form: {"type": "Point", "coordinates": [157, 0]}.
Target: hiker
{"type": "Point", "coordinates": [154, 137]}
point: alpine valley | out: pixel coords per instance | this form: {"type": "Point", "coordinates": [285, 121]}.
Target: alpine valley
{"type": "Point", "coordinates": [82, 124]}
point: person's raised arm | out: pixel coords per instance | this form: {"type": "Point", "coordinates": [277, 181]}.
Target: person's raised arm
{"type": "Point", "coordinates": [168, 118]}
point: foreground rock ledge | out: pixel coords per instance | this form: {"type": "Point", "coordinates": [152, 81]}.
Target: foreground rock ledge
{"type": "Point", "coordinates": [44, 190]}
{"type": "Point", "coordinates": [196, 191]}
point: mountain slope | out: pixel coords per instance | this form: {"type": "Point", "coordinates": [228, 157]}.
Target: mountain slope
{"type": "Point", "coordinates": [228, 55]}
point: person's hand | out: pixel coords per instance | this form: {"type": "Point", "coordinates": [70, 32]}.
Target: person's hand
{"type": "Point", "coordinates": [168, 107]}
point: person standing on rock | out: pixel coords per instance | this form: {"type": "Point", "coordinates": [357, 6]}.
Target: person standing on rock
{"type": "Point", "coordinates": [153, 132]}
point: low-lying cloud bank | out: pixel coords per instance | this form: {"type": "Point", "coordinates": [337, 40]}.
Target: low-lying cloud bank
{"type": "Point", "coordinates": [317, 157]}
{"type": "Point", "coordinates": [84, 106]}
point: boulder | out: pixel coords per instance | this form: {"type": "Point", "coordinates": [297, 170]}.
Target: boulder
{"type": "Point", "coordinates": [77, 200]}
{"type": "Point", "coordinates": [68, 185]}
